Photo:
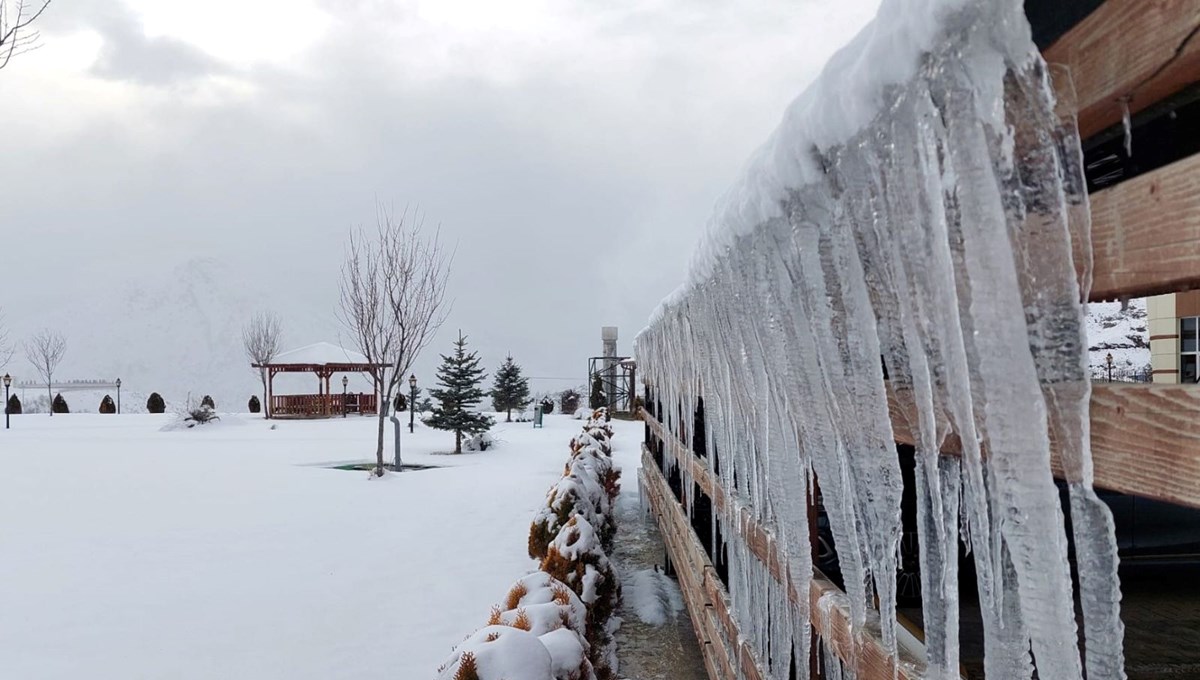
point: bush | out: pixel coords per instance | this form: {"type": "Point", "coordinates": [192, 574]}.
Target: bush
{"type": "Point", "coordinates": [547, 405]}
{"type": "Point", "coordinates": [14, 405]}
{"type": "Point", "coordinates": [255, 405]}
{"type": "Point", "coordinates": [59, 405]}
{"type": "Point", "coordinates": [568, 401]}
{"type": "Point", "coordinates": [155, 403]}
{"type": "Point", "coordinates": [208, 401]}
{"type": "Point", "coordinates": [107, 405]}
{"type": "Point", "coordinates": [400, 403]}
{"type": "Point", "coordinates": [201, 415]}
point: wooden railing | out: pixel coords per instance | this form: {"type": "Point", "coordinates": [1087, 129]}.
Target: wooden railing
{"type": "Point", "coordinates": [725, 648]}
{"type": "Point", "coordinates": [318, 405]}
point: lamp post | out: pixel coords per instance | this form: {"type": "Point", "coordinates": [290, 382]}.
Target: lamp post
{"type": "Point", "coordinates": [7, 382]}
{"type": "Point", "coordinates": [345, 382]}
{"type": "Point", "coordinates": [412, 401]}
{"type": "Point", "coordinates": [118, 396]}
{"type": "Point", "coordinates": [1108, 360]}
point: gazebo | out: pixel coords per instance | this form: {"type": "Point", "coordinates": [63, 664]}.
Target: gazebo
{"type": "Point", "coordinates": [322, 359]}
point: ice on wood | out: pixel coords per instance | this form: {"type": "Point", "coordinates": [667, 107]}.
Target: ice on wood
{"type": "Point", "coordinates": [916, 204]}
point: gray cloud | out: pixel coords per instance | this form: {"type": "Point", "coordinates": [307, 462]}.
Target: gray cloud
{"type": "Point", "coordinates": [574, 187]}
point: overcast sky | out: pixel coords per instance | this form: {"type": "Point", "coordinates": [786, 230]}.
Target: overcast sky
{"type": "Point", "coordinates": [571, 150]}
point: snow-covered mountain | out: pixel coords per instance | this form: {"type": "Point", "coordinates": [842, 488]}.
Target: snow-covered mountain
{"type": "Point", "coordinates": [175, 334]}
{"type": "Point", "coordinates": [1118, 329]}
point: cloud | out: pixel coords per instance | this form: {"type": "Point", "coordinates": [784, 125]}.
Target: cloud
{"type": "Point", "coordinates": [572, 151]}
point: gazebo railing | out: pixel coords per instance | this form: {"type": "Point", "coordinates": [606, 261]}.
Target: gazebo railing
{"type": "Point", "coordinates": [318, 405]}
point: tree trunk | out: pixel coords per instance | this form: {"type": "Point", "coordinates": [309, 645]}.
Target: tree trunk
{"type": "Point", "coordinates": [50, 395]}
{"type": "Point", "coordinates": [508, 419]}
{"type": "Point", "coordinates": [266, 404]}
{"type": "Point", "coordinates": [458, 441]}
{"type": "Point", "coordinates": [382, 413]}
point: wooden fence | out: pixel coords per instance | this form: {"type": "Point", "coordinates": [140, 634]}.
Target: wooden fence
{"type": "Point", "coordinates": [1126, 56]}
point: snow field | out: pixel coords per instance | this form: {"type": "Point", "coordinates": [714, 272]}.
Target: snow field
{"type": "Point", "coordinates": [555, 624]}
{"type": "Point", "coordinates": [232, 550]}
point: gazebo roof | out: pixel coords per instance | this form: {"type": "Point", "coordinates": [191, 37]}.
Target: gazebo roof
{"type": "Point", "coordinates": [320, 354]}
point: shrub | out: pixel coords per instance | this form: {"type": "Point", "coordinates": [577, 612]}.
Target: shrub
{"type": "Point", "coordinates": [59, 405]}
{"type": "Point", "coordinates": [576, 558]}
{"type": "Point", "coordinates": [254, 405]}
{"type": "Point", "coordinates": [547, 405]}
{"type": "Point", "coordinates": [569, 401]}
{"type": "Point", "coordinates": [200, 415]}
{"type": "Point", "coordinates": [400, 403]}
{"type": "Point", "coordinates": [14, 405]}
{"type": "Point", "coordinates": [107, 405]}
{"type": "Point", "coordinates": [155, 403]}
{"type": "Point", "coordinates": [208, 401]}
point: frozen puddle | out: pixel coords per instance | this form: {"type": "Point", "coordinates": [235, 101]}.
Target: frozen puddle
{"type": "Point", "coordinates": [655, 640]}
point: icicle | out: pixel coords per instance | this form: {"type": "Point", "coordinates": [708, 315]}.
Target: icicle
{"type": "Point", "coordinates": [1127, 126]}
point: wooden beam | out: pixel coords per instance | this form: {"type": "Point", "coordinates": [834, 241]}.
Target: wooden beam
{"type": "Point", "coordinates": [862, 649]}
{"type": "Point", "coordinates": [1146, 232]}
{"type": "Point", "coordinates": [1138, 50]}
{"type": "Point", "coordinates": [1145, 439]}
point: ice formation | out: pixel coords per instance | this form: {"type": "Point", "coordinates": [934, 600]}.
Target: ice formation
{"type": "Point", "coordinates": [916, 204]}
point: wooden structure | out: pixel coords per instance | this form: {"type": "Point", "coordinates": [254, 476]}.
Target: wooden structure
{"type": "Point", "coordinates": [1107, 57]}
{"type": "Point", "coordinates": [323, 360]}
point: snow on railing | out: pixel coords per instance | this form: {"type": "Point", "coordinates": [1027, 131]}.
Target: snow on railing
{"type": "Point", "coordinates": [917, 203]}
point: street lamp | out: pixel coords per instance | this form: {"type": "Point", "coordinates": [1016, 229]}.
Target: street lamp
{"type": "Point", "coordinates": [118, 395]}
{"type": "Point", "coordinates": [1108, 360]}
{"type": "Point", "coordinates": [345, 382]}
{"type": "Point", "coordinates": [412, 401]}
{"type": "Point", "coordinates": [7, 382]}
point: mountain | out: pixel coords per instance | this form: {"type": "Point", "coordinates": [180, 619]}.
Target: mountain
{"type": "Point", "coordinates": [176, 334]}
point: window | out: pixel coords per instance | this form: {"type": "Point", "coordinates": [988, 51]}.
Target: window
{"type": "Point", "coordinates": [1189, 349]}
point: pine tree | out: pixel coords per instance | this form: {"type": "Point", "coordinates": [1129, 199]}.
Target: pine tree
{"type": "Point", "coordinates": [459, 377]}
{"type": "Point", "coordinates": [597, 399]}
{"type": "Point", "coordinates": [155, 403]}
{"type": "Point", "coordinates": [511, 389]}
{"type": "Point", "coordinates": [14, 405]}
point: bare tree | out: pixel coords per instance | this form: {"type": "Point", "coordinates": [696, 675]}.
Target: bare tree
{"type": "Point", "coordinates": [44, 351]}
{"type": "Point", "coordinates": [260, 339]}
{"type": "Point", "coordinates": [393, 300]}
{"type": "Point", "coordinates": [15, 35]}
{"type": "Point", "coordinates": [6, 346]}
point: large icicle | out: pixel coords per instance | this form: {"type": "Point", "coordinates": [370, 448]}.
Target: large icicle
{"type": "Point", "coordinates": [914, 205]}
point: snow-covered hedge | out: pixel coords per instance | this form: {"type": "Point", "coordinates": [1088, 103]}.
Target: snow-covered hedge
{"type": "Point", "coordinates": [554, 623]}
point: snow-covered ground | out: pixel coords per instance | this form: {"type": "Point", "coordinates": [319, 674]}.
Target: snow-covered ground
{"type": "Point", "coordinates": [234, 552]}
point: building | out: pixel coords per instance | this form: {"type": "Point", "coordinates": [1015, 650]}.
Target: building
{"type": "Point", "coordinates": [1174, 323]}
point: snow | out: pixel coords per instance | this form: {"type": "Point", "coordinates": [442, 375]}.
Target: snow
{"type": "Point", "coordinates": [1120, 330]}
{"type": "Point", "coordinates": [233, 551]}
{"type": "Point", "coordinates": [320, 353]}
{"type": "Point", "coordinates": [653, 596]}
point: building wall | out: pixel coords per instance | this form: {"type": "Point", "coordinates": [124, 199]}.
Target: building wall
{"type": "Point", "coordinates": [1164, 338]}
{"type": "Point", "coordinates": [1163, 314]}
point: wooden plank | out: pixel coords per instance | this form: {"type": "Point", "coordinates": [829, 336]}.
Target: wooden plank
{"type": "Point", "coordinates": [1145, 439]}
{"type": "Point", "coordinates": [1137, 50]}
{"type": "Point", "coordinates": [865, 649]}
{"type": "Point", "coordinates": [1146, 233]}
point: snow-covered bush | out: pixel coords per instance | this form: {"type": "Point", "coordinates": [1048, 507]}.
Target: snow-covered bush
{"type": "Point", "coordinates": [547, 405]}
{"type": "Point", "coordinates": [568, 401]}
{"type": "Point", "coordinates": [107, 405]}
{"type": "Point", "coordinates": [254, 405]}
{"type": "Point", "coordinates": [480, 441]}
{"type": "Point", "coordinates": [577, 558]}
{"type": "Point", "coordinates": [208, 401]}
{"type": "Point", "coordinates": [498, 652]}
{"type": "Point", "coordinates": [60, 404]}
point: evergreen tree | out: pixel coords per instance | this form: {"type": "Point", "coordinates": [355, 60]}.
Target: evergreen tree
{"type": "Point", "coordinates": [59, 405]}
{"type": "Point", "coordinates": [14, 405]}
{"type": "Point", "coordinates": [458, 390]}
{"type": "Point", "coordinates": [597, 398]}
{"type": "Point", "coordinates": [107, 405]}
{"type": "Point", "coordinates": [155, 403]}
{"type": "Point", "coordinates": [254, 404]}
{"type": "Point", "coordinates": [511, 389]}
